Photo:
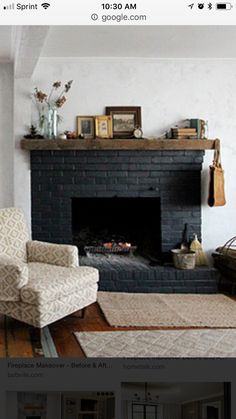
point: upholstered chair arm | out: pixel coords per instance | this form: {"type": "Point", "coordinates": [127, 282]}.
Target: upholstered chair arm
{"type": "Point", "coordinates": [13, 276]}
{"type": "Point", "coordinates": [53, 254]}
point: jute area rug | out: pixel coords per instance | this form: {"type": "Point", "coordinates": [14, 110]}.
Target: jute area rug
{"type": "Point", "coordinates": [168, 310]}
{"type": "Point", "coordinates": [159, 344]}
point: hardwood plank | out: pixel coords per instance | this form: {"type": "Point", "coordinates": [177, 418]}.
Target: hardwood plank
{"type": "Point", "coordinates": [118, 144]}
{"type": "Point", "coordinates": [3, 351]}
{"type": "Point", "coordinates": [18, 339]}
{"type": "Point", "coordinates": [64, 340]}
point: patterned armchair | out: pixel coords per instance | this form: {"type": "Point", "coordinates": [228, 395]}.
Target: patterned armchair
{"type": "Point", "coordinates": [40, 282]}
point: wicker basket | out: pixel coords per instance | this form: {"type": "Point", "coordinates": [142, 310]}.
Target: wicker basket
{"type": "Point", "coordinates": [225, 259]}
{"type": "Point", "coordinates": [184, 259]}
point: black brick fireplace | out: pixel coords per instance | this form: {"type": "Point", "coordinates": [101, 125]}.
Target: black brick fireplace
{"type": "Point", "coordinates": [170, 178]}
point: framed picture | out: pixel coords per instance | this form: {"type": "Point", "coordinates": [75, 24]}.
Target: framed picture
{"type": "Point", "coordinates": [104, 126]}
{"type": "Point", "coordinates": [125, 120]}
{"type": "Point", "coordinates": [85, 126]}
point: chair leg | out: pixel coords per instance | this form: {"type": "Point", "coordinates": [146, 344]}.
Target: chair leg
{"type": "Point", "coordinates": [80, 314]}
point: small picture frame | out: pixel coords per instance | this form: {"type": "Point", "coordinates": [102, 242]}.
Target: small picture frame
{"type": "Point", "coordinates": [125, 119]}
{"type": "Point", "coordinates": [104, 128]}
{"type": "Point", "coordinates": [85, 126]}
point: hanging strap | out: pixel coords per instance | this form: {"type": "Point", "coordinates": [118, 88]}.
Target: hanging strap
{"type": "Point", "coordinates": [217, 155]}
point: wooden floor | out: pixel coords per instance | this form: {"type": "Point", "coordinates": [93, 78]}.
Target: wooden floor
{"type": "Point", "coordinates": [19, 340]}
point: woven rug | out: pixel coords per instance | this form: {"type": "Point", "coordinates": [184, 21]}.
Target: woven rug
{"type": "Point", "coordinates": [159, 344]}
{"type": "Point", "coordinates": [168, 310]}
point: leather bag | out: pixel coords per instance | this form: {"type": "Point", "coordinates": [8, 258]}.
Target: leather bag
{"type": "Point", "coordinates": [216, 187]}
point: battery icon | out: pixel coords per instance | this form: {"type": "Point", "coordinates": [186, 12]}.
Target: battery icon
{"type": "Point", "coordinates": [224, 6]}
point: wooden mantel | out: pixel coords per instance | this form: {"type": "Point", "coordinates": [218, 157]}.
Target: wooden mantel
{"type": "Point", "coordinates": [117, 144]}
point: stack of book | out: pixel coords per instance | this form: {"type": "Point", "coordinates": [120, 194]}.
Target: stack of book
{"type": "Point", "coordinates": [184, 133]}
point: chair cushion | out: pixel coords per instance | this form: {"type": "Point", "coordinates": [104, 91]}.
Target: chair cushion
{"type": "Point", "coordinates": [13, 233]}
{"type": "Point", "coordinates": [49, 283]}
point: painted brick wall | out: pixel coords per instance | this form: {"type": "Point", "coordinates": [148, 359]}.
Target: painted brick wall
{"type": "Point", "coordinates": [58, 176]}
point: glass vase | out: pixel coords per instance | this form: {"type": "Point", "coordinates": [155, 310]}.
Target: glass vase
{"type": "Point", "coordinates": [42, 124]}
{"type": "Point", "coordinates": [52, 123]}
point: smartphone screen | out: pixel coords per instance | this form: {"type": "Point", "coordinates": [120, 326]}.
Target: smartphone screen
{"type": "Point", "coordinates": [117, 210]}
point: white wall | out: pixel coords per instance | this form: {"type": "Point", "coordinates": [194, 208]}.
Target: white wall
{"type": "Point", "coordinates": [6, 135]}
{"type": "Point", "coordinates": [22, 121]}
{"type": "Point", "coordinates": [168, 91]}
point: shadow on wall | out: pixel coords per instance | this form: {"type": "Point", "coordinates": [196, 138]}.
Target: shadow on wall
{"type": "Point", "coordinates": [205, 186]}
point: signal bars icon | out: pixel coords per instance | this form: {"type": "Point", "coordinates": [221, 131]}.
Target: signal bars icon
{"type": "Point", "coordinates": [9, 7]}
{"type": "Point", "coordinates": [45, 5]}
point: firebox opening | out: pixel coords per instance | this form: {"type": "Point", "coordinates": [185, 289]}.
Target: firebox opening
{"type": "Point", "coordinates": [117, 223]}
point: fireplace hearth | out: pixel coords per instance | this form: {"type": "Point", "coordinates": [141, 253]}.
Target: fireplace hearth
{"type": "Point", "coordinates": [143, 198]}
